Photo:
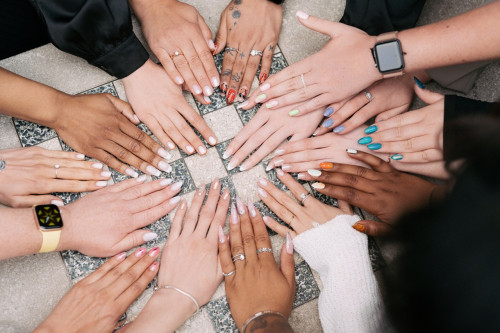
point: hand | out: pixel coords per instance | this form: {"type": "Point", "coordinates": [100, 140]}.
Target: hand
{"type": "Point", "coordinates": [257, 283]}
{"type": "Point", "coordinates": [343, 67]}
{"type": "Point", "coordinates": [172, 26]}
{"type": "Point", "coordinates": [30, 174]}
{"type": "Point", "coordinates": [412, 137]}
{"type": "Point", "coordinates": [96, 303]}
{"type": "Point", "coordinates": [160, 105]}
{"type": "Point", "coordinates": [108, 221]}
{"type": "Point", "coordinates": [384, 191]}
{"type": "Point", "coordinates": [102, 126]}
{"type": "Point", "coordinates": [239, 30]}
{"type": "Point", "coordinates": [265, 131]}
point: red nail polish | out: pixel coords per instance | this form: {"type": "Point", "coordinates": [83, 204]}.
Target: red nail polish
{"type": "Point", "coordinates": [216, 46]}
{"type": "Point", "coordinates": [223, 88]}
{"type": "Point", "coordinates": [231, 94]}
{"type": "Point", "coordinates": [243, 93]}
{"type": "Point", "coordinates": [262, 77]}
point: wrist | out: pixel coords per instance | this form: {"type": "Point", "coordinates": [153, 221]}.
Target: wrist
{"type": "Point", "coordinates": [266, 321]}
{"type": "Point", "coordinates": [66, 240]}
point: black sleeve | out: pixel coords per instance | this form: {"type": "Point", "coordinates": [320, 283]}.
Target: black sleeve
{"type": "Point", "coordinates": [100, 31]}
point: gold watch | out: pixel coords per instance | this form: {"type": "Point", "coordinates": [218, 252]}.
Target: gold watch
{"type": "Point", "coordinates": [50, 225]}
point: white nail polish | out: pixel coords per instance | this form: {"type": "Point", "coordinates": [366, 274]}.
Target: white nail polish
{"type": "Point", "coordinates": [164, 166]}
{"type": "Point", "coordinates": [301, 176]}
{"type": "Point", "coordinates": [106, 174]}
{"type": "Point", "coordinates": [227, 153]}
{"type": "Point", "coordinates": [101, 183]}
{"type": "Point", "coordinates": [212, 140]}
{"type": "Point", "coordinates": [351, 151]}
{"type": "Point", "coordinates": [190, 149]}
{"type": "Point", "coordinates": [80, 156]}
{"type": "Point", "coordinates": [302, 15]}
{"type": "Point", "coordinates": [165, 182]}
{"type": "Point", "coordinates": [149, 236]}
{"type": "Point", "coordinates": [262, 193]}
{"type": "Point", "coordinates": [316, 132]}
{"type": "Point", "coordinates": [314, 172]}
{"type": "Point", "coordinates": [165, 154]}
{"type": "Point", "coordinates": [265, 86]}
{"type": "Point", "coordinates": [240, 206]}
{"type": "Point", "coordinates": [242, 105]}
{"type": "Point", "coordinates": [97, 165]}
{"type": "Point", "coordinates": [177, 186]}
{"type": "Point", "coordinates": [201, 189]}
{"type": "Point", "coordinates": [251, 209]}
{"type": "Point", "coordinates": [279, 162]}
{"type": "Point", "coordinates": [244, 166]}
{"type": "Point", "coordinates": [230, 166]}
{"type": "Point", "coordinates": [271, 104]}
{"type": "Point", "coordinates": [207, 99]}
{"type": "Point", "coordinates": [215, 82]}
{"type": "Point", "coordinates": [179, 80]}
{"type": "Point", "coordinates": [226, 194]}
{"type": "Point", "coordinates": [289, 243]}
{"type": "Point", "coordinates": [174, 200]}
{"type": "Point", "coordinates": [141, 178]}
{"type": "Point", "coordinates": [202, 150]}
{"type": "Point", "coordinates": [270, 166]}
{"type": "Point", "coordinates": [170, 145]}
{"type": "Point", "coordinates": [207, 91]}
{"type": "Point", "coordinates": [286, 167]}
{"type": "Point", "coordinates": [153, 171]}
{"type": "Point", "coordinates": [280, 151]}
{"type": "Point", "coordinates": [196, 89]}
{"type": "Point", "coordinates": [222, 237]}
{"type": "Point", "coordinates": [58, 203]}
{"type": "Point", "coordinates": [131, 173]}
{"type": "Point", "coordinates": [211, 44]}
{"type": "Point", "coordinates": [318, 186]}
{"type": "Point", "coordinates": [263, 182]}
{"type": "Point", "coordinates": [136, 118]}
{"type": "Point", "coordinates": [280, 172]}
{"type": "Point", "coordinates": [215, 184]}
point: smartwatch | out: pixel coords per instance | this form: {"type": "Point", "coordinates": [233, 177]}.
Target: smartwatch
{"type": "Point", "coordinates": [49, 222]}
{"type": "Point", "coordinates": [388, 55]}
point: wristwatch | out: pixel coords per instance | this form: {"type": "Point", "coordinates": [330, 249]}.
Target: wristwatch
{"type": "Point", "coordinates": [388, 55]}
{"type": "Point", "coordinates": [50, 225]}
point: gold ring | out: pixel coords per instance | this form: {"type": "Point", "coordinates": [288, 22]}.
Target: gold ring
{"type": "Point", "coordinates": [176, 53]}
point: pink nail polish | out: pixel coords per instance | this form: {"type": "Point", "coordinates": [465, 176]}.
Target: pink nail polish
{"type": "Point", "coordinates": [289, 243]}
{"type": "Point", "coordinates": [234, 216]}
{"type": "Point", "coordinates": [121, 256]}
{"type": "Point", "coordinates": [262, 182]}
{"type": "Point", "coordinates": [280, 172]}
{"type": "Point", "coordinates": [153, 266]}
{"type": "Point", "coordinates": [251, 209]}
{"type": "Point", "coordinates": [222, 237]}
{"type": "Point", "coordinates": [241, 207]}
{"type": "Point", "coordinates": [139, 253]}
{"type": "Point", "coordinates": [154, 251]}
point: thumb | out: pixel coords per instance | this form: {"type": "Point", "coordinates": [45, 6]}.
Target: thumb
{"type": "Point", "coordinates": [317, 24]}
{"type": "Point", "coordinates": [221, 37]}
{"type": "Point", "coordinates": [287, 262]}
{"type": "Point", "coordinates": [206, 32]}
{"type": "Point", "coordinates": [427, 96]}
{"type": "Point", "coordinates": [124, 108]}
{"type": "Point", "coordinates": [32, 200]}
{"type": "Point", "coordinates": [372, 228]}
{"type": "Point", "coordinates": [135, 239]}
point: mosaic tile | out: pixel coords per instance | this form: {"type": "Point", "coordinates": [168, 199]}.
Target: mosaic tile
{"type": "Point", "coordinates": [225, 123]}
{"type": "Point", "coordinates": [67, 197]}
{"type": "Point", "coordinates": [205, 168]}
{"type": "Point", "coordinates": [31, 134]}
{"type": "Point", "coordinates": [105, 88]}
{"type": "Point", "coordinates": [80, 265]}
{"type": "Point", "coordinates": [227, 182]}
{"type": "Point", "coordinates": [218, 102]}
{"type": "Point", "coordinates": [219, 314]}
{"type": "Point", "coordinates": [324, 198]}
{"type": "Point", "coordinates": [279, 62]}
{"type": "Point", "coordinates": [307, 288]}
{"type": "Point", "coordinates": [221, 148]}
{"type": "Point", "coordinates": [247, 115]}
{"type": "Point", "coordinates": [180, 172]}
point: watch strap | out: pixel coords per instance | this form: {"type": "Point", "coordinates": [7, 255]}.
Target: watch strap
{"type": "Point", "coordinates": [50, 240]}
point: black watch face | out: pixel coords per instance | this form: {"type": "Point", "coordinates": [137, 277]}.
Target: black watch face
{"type": "Point", "coordinates": [49, 217]}
{"type": "Point", "coordinates": [389, 56]}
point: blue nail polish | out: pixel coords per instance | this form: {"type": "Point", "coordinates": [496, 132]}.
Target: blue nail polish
{"type": "Point", "coordinates": [339, 129]}
{"type": "Point", "coordinates": [328, 112]}
{"type": "Point", "coordinates": [327, 123]}
{"type": "Point", "coordinates": [364, 141]}
{"type": "Point", "coordinates": [374, 146]}
{"type": "Point", "coordinates": [397, 157]}
{"type": "Point", "coordinates": [418, 82]}
{"type": "Point", "coordinates": [371, 129]}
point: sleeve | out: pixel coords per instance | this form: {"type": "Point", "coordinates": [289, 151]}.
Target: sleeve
{"type": "Point", "coordinates": [100, 31]}
{"type": "Point", "coordinates": [350, 300]}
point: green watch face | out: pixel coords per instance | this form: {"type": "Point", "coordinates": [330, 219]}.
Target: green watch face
{"type": "Point", "coordinates": [49, 217]}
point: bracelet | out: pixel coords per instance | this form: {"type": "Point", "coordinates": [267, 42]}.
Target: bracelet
{"type": "Point", "coordinates": [156, 288]}
{"type": "Point", "coordinates": [258, 314]}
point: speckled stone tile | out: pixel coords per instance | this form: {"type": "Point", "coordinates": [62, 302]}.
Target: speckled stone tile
{"type": "Point", "coordinates": [246, 182]}
{"type": "Point", "coordinates": [205, 168]}
{"type": "Point", "coordinates": [221, 148]}
{"type": "Point", "coordinates": [247, 115]}
{"type": "Point", "coordinates": [219, 314]}
{"type": "Point", "coordinates": [279, 62]}
{"type": "Point", "coordinates": [31, 134]}
{"type": "Point", "coordinates": [9, 138]}
{"type": "Point", "coordinates": [180, 172]}
{"type": "Point", "coordinates": [218, 102]}
{"type": "Point", "coordinates": [105, 88]}
{"type": "Point", "coordinates": [225, 123]}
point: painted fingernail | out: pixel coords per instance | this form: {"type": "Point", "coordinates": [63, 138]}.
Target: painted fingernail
{"type": "Point", "coordinates": [171, 145]}
{"type": "Point", "coordinates": [226, 194]}
{"type": "Point", "coordinates": [269, 166]}
{"type": "Point", "coordinates": [371, 129]}
{"type": "Point", "coordinates": [326, 165]}
{"type": "Point", "coordinates": [251, 209]}
{"type": "Point", "coordinates": [177, 185]}
{"type": "Point", "coordinates": [264, 87]}
{"type": "Point", "coordinates": [58, 203]}
{"type": "Point", "coordinates": [328, 112]}
{"type": "Point", "coordinates": [262, 193]}
{"type": "Point", "coordinates": [149, 236]}
{"type": "Point", "coordinates": [207, 99]}
{"type": "Point", "coordinates": [339, 129]}
{"type": "Point", "coordinates": [165, 182]}
{"type": "Point", "coordinates": [201, 189]}
{"type": "Point", "coordinates": [327, 123]}
{"type": "Point", "coordinates": [141, 178]}
{"type": "Point", "coordinates": [223, 88]}
{"type": "Point", "coordinates": [234, 216]}
{"type": "Point", "coordinates": [190, 149]}
{"type": "Point", "coordinates": [262, 77]}
{"type": "Point", "coordinates": [359, 227]}
{"type": "Point", "coordinates": [222, 237]}
{"type": "Point", "coordinates": [215, 183]}
{"type": "Point", "coordinates": [243, 92]}
{"type": "Point", "coordinates": [202, 150]}
{"type": "Point", "coordinates": [131, 172]}
{"type": "Point", "coordinates": [164, 166]}
{"type": "Point", "coordinates": [244, 166]}
{"type": "Point", "coordinates": [289, 243]}
{"type": "Point", "coordinates": [101, 183]}
{"type": "Point", "coordinates": [365, 140]}
{"type": "Point", "coordinates": [267, 220]}
{"type": "Point", "coordinates": [154, 266]}
{"type": "Point", "coordinates": [216, 45]}
{"type": "Point", "coordinates": [280, 172]}
{"type": "Point", "coordinates": [196, 89]}
{"type": "Point", "coordinates": [154, 251]}
{"type": "Point", "coordinates": [136, 118]}
{"type": "Point", "coordinates": [418, 82]}
{"type": "Point", "coordinates": [286, 167]}
{"type": "Point", "coordinates": [293, 113]}
{"type": "Point", "coordinates": [80, 156]}
{"type": "Point", "coordinates": [97, 165]}
{"type": "Point", "coordinates": [142, 251]}
{"type": "Point", "coordinates": [163, 153]}
{"type": "Point", "coordinates": [211, 44]}
{"type": "Point", "coordinates": [374, 146]}
{"type": "Point", "coordinates": [215, 82]}
{"type": "Point", "coordinates": [240, 206]}
{"type": "Point", "coordinates": [351, 151]}
{"type": "Point", "coordinates": [231, 94]}
{"type": "Point", "coordinates": [153, 171]}
{"type": "Point", "coordinates": [121, 256]}
{"type": "Point", "coordinates": [242, 105]}
{"type": "Point", "coordinates": [227, 153]}
{"type": "Point", "coordinates": [208, 91]}
{"type": "Point", "coordinates": [302, 15]}
{"type": "Point", "coordinates": [279, 152]}
{"type": "Point", "coordinates": [271, 104]}
{"type": "Point", "coordinates": [397, 157]}
{"type": "Point", "coordinates": [212, 140]}
{"type": "Point", "coordinates": [106, 174]}
{"type": "Point", "coordinates": [174, 200]}
{"type": "Point", "coordinates": [316, 131]}
{"type": "Point", "coordinates": [263, 182]}
{"type": "Point", "coordinates": [314, 172]}
{"type": "Point", "coordinates": [230, 166]}
{"type": "Point", "coordinates": [318, 186]}
{"type": "Point", "coordinates": [301, 176]}
{"type": "Point", "coordinates": [279, 162]}
{"type": "Point", "coordinates": [260, 98]}
{"type": "Point", "coordinates": [179, 80]}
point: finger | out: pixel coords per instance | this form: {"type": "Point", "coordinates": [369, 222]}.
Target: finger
{"type": "Point", "coordinates": [183, 66]}
{"type": "Point", "coordinates": [115, 274]}
{"type": "Point", "coordinates": [194, 211]}
{"type": "Point", "coordinates": [248, 130]}
{"type": "Point", "coordinates": [208, 211]}
{"type": "Point", "coordinates": [280, 197]}
{"type": "Point", "coordinates": [287, 265]}
{"type": "Point", "coordinates": [32, 200]}
{"type": "Point", "coordinates": [297, 190]}
{"type": "Point", "coordinates": [235, 234]}
{"type": "Point", "coordinates": [134, 239]}
{"type": "Point", "coordinates": [267, 60]}
{"type": "Point", "coordinates": [424, 156]}
{"type": "Point", "coordinates": [250, 145]}
{"type": "Point", "coordinates": [124, 108]}
{"type": "Point", "coordinates": [206, 57]}
{"type": "Point", "coordinates": [160, 133]}
{"type": "Point", "coordinates": [109, 160]}
{"type": "Point", "coordinates": [220, 215]}
{"type": "Point", "coordinates": [138, 192]}
{"type": "Point", "coordinates": [226, 263]}
{"type": "Point", "coordinates": [73, 173]}
{"type": "Point", "coordinates": [353, 106]}
{"type": "Point", "coordinates": [315, 23]}
{"type": "Point", "coordinates": [277, 98]}
{"type": "Point", "coordinates": [280, 229]}
{"type": "Point", "coordinates": [390, 113]}
{"type": "Point", "coordinates": [159, 194]}
{"type": "Point", "coordinates": [174, 128]}
{"type": "Point", "coordinates": [202, 64]}
{"type": "Point", "coordinates": [200, 124]}
{"type": "Point", "coordinates": [169, 65]}
{"type": "Point", "coordinates": [265, 149]}
{"type": "Point", "coordinates": [62, 185]}
{"type": "Point", "coordinates": [311, 105]}
{"type": "Point", "coordinates": [104, 268]}
{"type": "Point", "coordinates": [372, 228]}
{"type": "Point", "coordinates": [351, 195]}
{"type": "Point", "coordinates": [373, 161]}
{"type": "Point", "coordinates": [237, 74]}
{"type": "Point", "coordinates": [151, 149]}
{"type": "Point", "coordinates": [176, 225]}
{"type": "Point", "coordinates": [427, 96]}
{"type": "Point", "coordinates": [126, 184]}
{"type": "Point", "coordinates": [259, 228]}
{"type": "Point", "coordinates": [410, 145]}
{"type": "Point", "coordinates": [301, 156]}
{"type": "Point", "coordinates": [247, 234]}
{"type": "Point", "coordinates": [220, 38]}
{"type": "Point", "coordinates": [349, 180]}
{"type": "Point", "coordinates": [154, 213]}
{"type": "Point", "coordinates": [230, 56]}
{"type": "Point", "coordinates": [207, 33]}
{"type": "Point", "coordinates": [250, 70]}
{"type": "Point", "coordinates": [345, 207]}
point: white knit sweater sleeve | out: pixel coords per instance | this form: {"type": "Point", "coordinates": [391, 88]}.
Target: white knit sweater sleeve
{"type": "Point", "coordinates": [350, 300]}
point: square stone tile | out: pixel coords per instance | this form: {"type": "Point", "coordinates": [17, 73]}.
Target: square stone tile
{"type": "Point", "coordinates": [9, 138]}
{"type": "Point", "coordinates": [305, 318]}
{"type": "Point", "coordinates": [224, 122]}
{"type": "Point", "coordinates": [246, 183]}
{"type": "Point", "coordinates": [32, 134]}
{"type": "Point", "coordinates": [221, 148]}
{"type": "Point", "coordinates": [219, 314]}
{"type": "Point", "coordinates": [307, 289]}
{"type": "Point", "coordinates": [205, 168]}
{"type": "Point", "coordinates": [180, 172]}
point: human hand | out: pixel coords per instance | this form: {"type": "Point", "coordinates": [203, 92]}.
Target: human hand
{"type": "Point", "coordinates": [255, 283]}
{"type": "Point", "coordinates": [159, 103]}
{"type": "Point", "coordinates": [343, 67]}
{"type": "Point", "coordinates": [108, 221]}
{"type": "Point", "coordinates": [240, 33]}
{"type": "Point", "coordinates": [35, 174]}
{"type": "Point", "coordinates": [171, 26]}
{"type": "Point", "coordinates": [96, 303]}
{"type": "Point", "coordinates": [264, 132]}
{"type": "Point", "coordinates": [102, 127]}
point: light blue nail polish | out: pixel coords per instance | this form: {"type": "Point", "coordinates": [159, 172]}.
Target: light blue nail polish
{"type": "Point", "coordinates": [327, 123]}
{"type": "Point", "coordinates": [371, 129]}
{"type": "Point", "coordinates": [397, 157]}
{"type": "Point", "coordinates": [328, 112]}
{"type": "Point", "coordinates": [364, 141]}
{"type": "Point", "coordinates": [374, 146]}
{"type": "Point", "coordinates": [339, 129]}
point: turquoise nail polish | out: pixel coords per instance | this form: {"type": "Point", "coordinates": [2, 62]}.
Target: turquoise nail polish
{"type": "Point", "coordinates": [374, 146]}
{"type": "Point", "coordinates": [327, 123]}
{"type": "Point", "coordinates": [397, 157]}
{"type": "Point", "coordinates": [371, 129]}
{"type": "Point", "coordinates": [418, 82]}
{"type": "Point", "coordinates": [328, 112]}
{"type": "Point", "coordinates": [364, 141]}
{"type": "Point", "coordinates": [339, 129]}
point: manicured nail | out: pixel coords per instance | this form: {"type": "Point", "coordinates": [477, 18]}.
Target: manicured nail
{"type": "Point", "coordinates": [318, 186]}
{"type": "Point", "coordinates": [121, 256]}
{"type": "Point", "coordinates": [227, 153]}
{"type": "Point", "coordinates": [327, 123]}
{"type": "Point", "coordinates": [269, 166]}
{"type": "Point", "coordinates": [260, 98]}
{"type": "Point", "coordinates": [264, 87]}
{"type": "Point", "coordinates": [226, 194]}
{"type": "Point", "coordinates": [293, 113]}
{"type": "Point", "coordinates": [215, 82]}
{"type": "Point", "coordinates": [58, 203]}
{"type": "Point", "coordinates": [177, 185]}
{"type": "Point", "coordinates": [244, 166]}
{"type": "Point", "coordinates": [397, 157]}
{"type": "Point", "coordinates": [207, 90]}
{"type": "Point", "coordinates": [153, 171]}
{"type": "Point", "coordinates": [207, 99]}
{"type": "Point", "coordinates": [339, 129]}
{"type": "Point", "coordinates": [240, 206]}
{"type": "Point", "coordinates": [154, 266]}
{"type": "Point", "coordinates": [326, 165]}
{"type": "Point", "coordinates": [179, 80]}
{"type": "Point", "coordinates": [302, 15]}
{"type": "Point", "coordinates": [280, 172]}
{"type": "Point", "coordinates": [171, 145]}
{"type": "Point", "coordinates": [279, 162]}
{"type": "Point", "coordinates": [190, 149]}
{"type": "Point", "coordinates": [222, 237]}
{"type": "Point", "coordinates": [164, 166]}
{"type": "Point", "coordinates": [154, 251]}
{"type": "Point", "coordinates": [251, 209]}
{"type": "Point", "coordinates": [359, 227]}
{"type": "Point", "coordinates": [223, 88]}
{"type": "Point", "coordinates": [183, 204]}
{"type": "Point", "coordinates": [316, 131]}
{"type": "Point", "coordinates": [174, 200]}
{"type": "Point", "coordinates": [263, 182]}
{"type": "Point", "coordinates": [267, 220]}
{"type": "Point", "coordinates": [374, 146]}
{"type": "Point", "coordinates": [418, 82]}
{"type": "Point", "coordinates": [351, 151]}
{"type": "Point", "coordinates": [242, 105]}
{"type": "Point", "coordinates": [328, 112]}
{"type": "Point", "coordinates": [163, 153]}
{"type": "Point", "coordinates": [142, 251]}
{"type": "Point", "coordinates": [231, 94]}
{"type": "Point", "coordinates": [371, 129]}
{"type": "Point", "coordinates": [141, 178]}
{"type": "Point", "coordinates": [230, 166]}
{"type": "Point", "coordinates": [289, 243]}
{"type": "Point", "coordinates": [149, 236]}
{"type": "Point", "coordinates": [101, 183]}
{"type": "Point", "coordinates": [136, 118]}
{"type": "Point", "coordinates": [234, 216]}
{"type": "Point", "coordinates": [271, 104]}
{"type": "Point", "coordinates": [286, 167]}
{"type": "Point", "coordinates": [262, 78]}
{"type": "Point", "coordinates": [202, 150]}
{"type": "Point", "coordinates": [166, 181]}
{"type": "Point", "coordinates": [131, 172]}
{"type": "Point", "coordinates": [201, 189]}
{"type": "Point", "coordinates": [97, 165]}
{"type": "Point", "coordinates": [212, 140]}
{"type": "Point", "coordinates": [216, 45]}
{"type": "Point", "coordinates": [243, 92]}
{"type": "Point", "coordinates": [262, 193]}
{"type": "Point", "coordinates": [197, 89]}
{"type": "Point", "coordinates": [280, 151]}
{"type": "Point", "coordinates": [314, 172]}
{"type": "Point", "coordinates": [211, 44]}
{"type": "Point", "coordinates": [106, 174]}
{"type": "Point", "coordinates": [364, 141]}
{"type": "Point", "coordinates": [80, 156]}
{"type": "Point", "coordinates": [301, 176]}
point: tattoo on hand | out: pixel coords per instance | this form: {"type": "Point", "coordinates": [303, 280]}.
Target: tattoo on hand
{"type": "Point", "coordinates": [271, 47]}
{"type": "Point", "coordinates": [236, 14]}
{"type": "Point", "coordinates": [242, 55]}
{"type": "Point", "coordinates": [226, 72]}
{"type": "Point", "coordinates": [238, 2]}
{"type": "Point", "coordinates": [236, 77]}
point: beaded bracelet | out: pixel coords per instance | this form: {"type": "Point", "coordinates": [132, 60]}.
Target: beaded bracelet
{"type": "Point", "coordinates": [258, 314]}
{"type": "Point", "coordinates": [156, 287]}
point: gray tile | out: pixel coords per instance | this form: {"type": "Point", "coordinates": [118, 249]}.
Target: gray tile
{"type": "Point", "coordinates": [225, 123]}
{"type": "Point", "coordinates": [221, 318]}
{"type": "Point", "coordinates": [221, 148]}
{"type": "Point", "coordinates": [204, 169]}
{"type": "Point", "coordinates": [32, 134]}
{"type": "Point", "coordinates": [218, 102]}
{"type": "Point", "coordinates": [181, 172]}
{"type": "Point", "coordinates": [105, 88]}
{"type": "Point", "coordinates": [307, 288]}
{"type": "Point", "coordinates": [279, 62]}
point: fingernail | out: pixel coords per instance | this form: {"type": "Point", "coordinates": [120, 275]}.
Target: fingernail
{"type": "Point", "coordinates": [262, 193]}
{"type": "Point", "coordinates": [164, 166]}
{"type": "Point", "coordinates": [316, 131]}
{"type": "Point", "coordinates": [154, 251]}
{"type": "Point", "coordinates": [271, 104]}
{"type": "Point", "coordinates": [201, 189]}
{"type": "Point", "coordinates": [251, 209]}
{"type": "Point", "coordinates": [243, 92]}
{"type": "Point", "coordinates": [97, 165]}
{"type": "Point", "coordinates": [141, 178]}
{"type": "Point", "coordinates": [371, 129]}
{"type": "Point", "coordinates": [418, 82]}
{"type": "Point", "coordinates": [230, 166]}
{"type": "Point", "coordinates": [179, 80]}
{"type": "Point", "coordinates": [242, 105]}
{"type": "Point", "coordinates": [263, 182]}
{"type": "Point", "coordinates": [121, 256]}
{"type": "Point", "coordinates": [227, 153]}
{"type": "Point", "coordinates": [58, 203]}
{"type": "Point", "coordinates": [266, 220]}
{"type": "Point", "coordinates": [226, 194]}
{"type": "Point", "coordinates": [264, 87]}
{"type": "Point", "coordinates": [397, 157]}
{"type": "Point", "coordinates": [318, 186]}
{"type": "Point", "coordinates": [231, 94]}
{"type": "Point", "coordinates": [286, 167]}
{"type": "Point", "coordinates": [302, 15]}
{"type": "Point", "coordinates": [101, 183]}
{"type": "Point", "coordinates": [190, 149]}
{"type": "Point", "coordinates": [174, 200]}
{"type": "Point", "coordinates": [293, 113]}
{"type": "Point", "coordinates": [80, 156]}
{"type": "Point", "coordinates": [177, 186]}
{"type": "Point", "coordinates": [280, 172]}
{"type": "Point", "coordinates": [328, 112]}
{"type": "Point", "coordinates": [244, 166]}
{"type": "Point", "coordinates": [106, 174]}
{"type": "Point", "coordinates": [154, 266]}
{"type": "Point", "coordinates": [149, 236]}
{"type": "Point", "coordinates": [136, 118]}
{"type": "Point", "coordinates": [280, 151]}
{"type": "Point", "coordinates": [351, 151]}
{"type": "Point", "coordinates": [289, 243]}
{"type": "Point", "coordinates": [211, 44]}
{"type": "Point", "coordinates": [260, 98]}
{"type": "Point", "coordinates": [279, 162]}
{"type": "Point", "coordinates": [301, 176]}
{"type": "Point", "coordinates": [215, 184]}
{"type": "Point", "coordinates": [153, 171]}
{"type": "Point", "coordinates": [262, 78]}
{"type": "Point", "coordinates": [314, 172]}
{"type": "Point", "coordinates": [196, 89]}
{"type": "Point", "coordinates": [170, 145]}
{"type": "Point", "coordinates": [215, 82]}
{"type": "Point", "coordinates": [359, 227]}
{"type": "Point", "coordinates": [234, 216]}
{"type": "Point", "coordinates": [326, 165]}
{"type": "Point", "coordinates": [339, 129]}
{"type": "Point", "coordinates": [208, 91]}
{"type": "Point", "coordinates": [216, 45]}
{"type": "Point", "coordinates": [202, 150]}
{"type": "Point", "coordinates": [222, 237]}
{"type": "Point", "coordinates": [374, 146]}
{"type": "Point", "coordinates": [327, 123]}
{"type": "Point", "coordinates": [223, 88]}
{"type": "Point", "coordinates": [240, 206]}
{"type": "Point", "coordinates": [163, 153]}
{"type": "Point", "coordinates": [165, 182]}
{"type": "Point", "coordinates": [130, 172]}
{"type": "Point", "coordinates": [212, 140]}
{"type": "Point", "coordinates": [142, 251]}
{"type": "Point", "coordinates": [269, 166]}
{"type": "Point", "coordinates": [207, 99]}
{"type": "Point", "coordinates": [364, 141]}
{"type": "Point", "coordinates": [183, 204]}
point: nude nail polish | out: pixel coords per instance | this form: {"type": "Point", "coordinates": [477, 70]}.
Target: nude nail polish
{"type": "Point", "coordinates": [202, 150]}
{"type": "Point", "coordinates": [141, 178]}
{"type": "Point", "coordinates": [234, 216]}
{"type": "Point", "coordinates": [271, 104]}
{"type": "Point", "coordinates": [215, 82]}
{"type": "Point", "coordinates": [165, 182]}
{"type": "Point", "coordinates": [263, 182]}
{"type": "Point", "coordinates": [264, 87]}
{"type": "Point", "coordinates": [196, 89]}
{"type": "Point", "coordinates": [174, 200]}
{"type": "Point", "coordinates": [231, 94]}
{"type": "Point", "coordinates": [222, 237]}
{"type": "Point", "coordinates": [215, 184]}
{"type": "Point", "coordinates": [300, 14]}
{"type": "Point", "coordinates": [279, 162]}
{"type": "Point", "coordinates": [153, 171]}
{"type": "Point", "coordinates": [240, 206]}
{"type": "Point", "coordinates": [208, 91]}
{"type": "Point", "coordinates": [286, 167]}
{"type": "Point", "coordinates": [190, 149]}
{"type": "Point", "coordinates": [230, 166]}
{"type": "Point", "coordinates": [262, 193]}
{"type": "Point", "coordinates": [201, 189]}
{"type": "Point", "coordinates": [177, 186]}
{"type": "Point", "coordinates": [149, 237]}
{"type": "Point", "coordinates": [101, 183]}
{"type": "Point", "coordinates": [163, 153]}
{"type": "Point", "coordinates": [170, 145]}
{"type": "Point", "coordinates": [179, 80]}
{"type": "Point", "coordinates": [269, 166]}
{"type": "Point", "coordinates": [251, 209]}
{"type": "Point", "coordinates": [242, 105]}
{"type": "Point", "coordinates": [212, 140]}
{"type": "Point", "coordinates": [227, 153]}
{"type": "Point", "coordinates": [289, 243]}
{"type": "Point", "coordinates": [136, 118]}
{"type": "Point", "coordinates": [244, 166]}
{"type": "Point", "coordinates": [164, 166]}
{"type": "Point", "coordinates": [211, 44]}
{"type": "Point", "coordinates": [280, 151]}
{"type": "Point", "coordinates": [97, 165]}
{"type": "Point", "coordinates": [280, 172]}
{"type": "Point", "coordinates": [318, 186]}
{"type": "Point", "coordinates": [130, 172]}
{"type": "Point", "coordinates": [80, 156]}
{"type": "Point", "coordinates": [106, 174]}
{"type": "Point", "coordinates": [301, 176]}
{"type": "Point", "coordinates": [139, 253]}
{"type": "Point", "coordinates": [58, 203]}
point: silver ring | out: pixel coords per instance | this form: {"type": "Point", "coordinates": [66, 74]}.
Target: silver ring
{"type": "Point", "coordinates": [232, 49]}
{"type": "Point", "coordinates": [256, 52]}
{"type": "Point", "coordinates": [303, 197]}
{"type": "Point", "coordinates": [237, 257]}
{"type": "Point", "coordinates": [368, 96]}
{"type": "Point", "coordinates": [228, 274]}
{"type": "Point", "coordinates": [302, 79]}
{"type": "Point", "coordinates": [264, 249]}
{"type": "Point", "coordinates": [2, 164]}
{"type": "Point", "coordinates": [57, 169]}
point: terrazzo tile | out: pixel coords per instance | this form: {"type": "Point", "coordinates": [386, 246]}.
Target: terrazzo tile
{"type": "Point", "coordinates": [218, 102]}
{"type": "Point", "coordinates": [246, 183]}
{"type": "Point", "coordinates": [305, 318]}
{"type": "Point", "coordinates": [204, 169]}
{"type": "Point", "coordinates": [307, 289]}
{"type": "Point", "coordinates": [227, 182]}
{"type": "Point", "coordinates": [219, 314]}
{"type": "Point", "coordinates": [180, 172]}
{"type": "Point", "coordinates": [105, 88]}
{"type": "Point", "coordinates": [31, 134]}
{"type": "Point", "coordinates": [224, 122]}
{"type": "Point", "coordinates": [221, 148]}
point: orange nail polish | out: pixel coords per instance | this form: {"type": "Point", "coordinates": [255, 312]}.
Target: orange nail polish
{"type": "Point", "coordinates": [262, 77]}
{"type": "Point", "coordinates": [359, 227]}
{"type": "Point", "coordinates": [231, 94]}
{"type": "Point", "coordinates": [326, 165]}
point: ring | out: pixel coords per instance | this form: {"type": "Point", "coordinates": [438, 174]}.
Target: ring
{"type": "Point", "coordinates": [368, 96]}
{"type": "Point", "coordinates": [238, 257]}
{"type": "Point", "coordinates": [176, 53]}
{"type": "Point", "coordinates": [229, 274]}
{"type": "Point", "coordinates": [264, 249]}
{"type": "Point", "coordinates": [256, 52]}
{"type": "Point", "coordinates": [303, 197]}
{"type": "Point", "coordinates": [57, 169]}
{"type": "Point", "coordinates": [302, 79]}
{"type": "Point", "coordinates": [231, 49]}
{"type": "Point", "coordinates": [2, 164]}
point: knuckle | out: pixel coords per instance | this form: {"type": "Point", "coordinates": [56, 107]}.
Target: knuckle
{"type": "Point", "coordinates": [206, 56]}
{"type": "Point", "coordinates": [248, 239]}
{"type": "Point", "coordinates": [121, 153]}
{"type": "Point", "coordinates": [408, 144]}
{"type": "Point", "coordinates": [129, 275]}
{"type": "Point", "coordinates": [181, 62]}
{"type": "Point", "coordinates": [136, 288]}
{"type": "Point", "coordinates": [424, 156]}
{"type": "Point", "coordinates": [237, 249]}
{"type": "Point", "coordinates": [351, 179]}
{"type": "Point", "coordinates": [361, 172]}
{"type": "Point", "coordinates": [350, 195]}
{"type": "Point", "coordinates": [134, 146]}
{"type": "Point", "coordinates": [261, 238]}
{"type": "Point", "coordinates": [194, 61]}
{"type": "Point", "coordinates": [107, 159]}
{"type": "Point", "coordinates": [315, 103]}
